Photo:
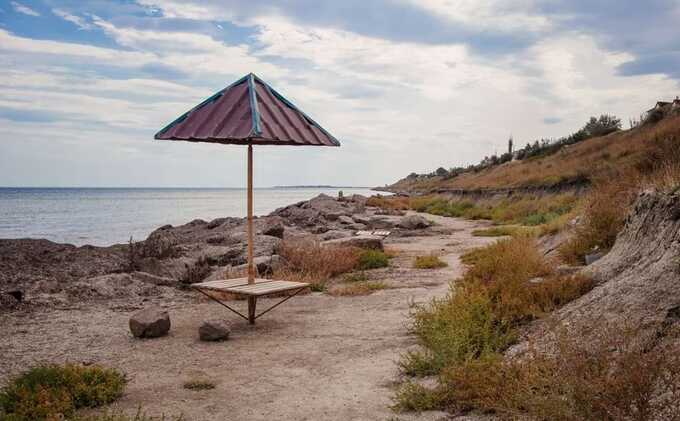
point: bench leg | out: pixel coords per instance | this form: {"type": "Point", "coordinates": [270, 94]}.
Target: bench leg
{"type": "Point", "coordinates": [252, 303]}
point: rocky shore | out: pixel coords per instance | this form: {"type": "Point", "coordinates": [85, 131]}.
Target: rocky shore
{"type": "Point", "coordinates": [38, 273]}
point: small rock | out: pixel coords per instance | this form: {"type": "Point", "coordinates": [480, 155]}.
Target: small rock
{"type": "Point", "coordinates": [361, 219]}
{"type": "Point", "coordinates": [344, 219]}
{"type": "Point", "coordinates": [334, 235]}
{"type": "Point", "coordinates": [214, 330]}
{"type": "Point", "coordinates": [361, 241]}
{"type": "Point", "coordinates": [536, 280]}
{"type": "Point", "coordinates": [8, 302]}
{"type": "Point", "coordinates": [151, 322]}
{"type": "Point", "coordinates": [592, 258]}
{"type": "Point", "coordinates": [567, 269]}
{"type": "Point", "coordinates": [412, 222]}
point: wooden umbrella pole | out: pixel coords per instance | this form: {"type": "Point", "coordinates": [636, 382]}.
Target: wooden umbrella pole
{"type": "Point", "coordinates": [251, 267]}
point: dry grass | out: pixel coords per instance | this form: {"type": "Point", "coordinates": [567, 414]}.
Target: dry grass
{"type": "Point", "coordinates": [310, 261]}
{"type": "Point", "coordinates": [389, 202]}
{"type": "Point", "coordinates": [358, 288]}
{"type": "Point", "coordinates": [613, 378]}
{"type": "Point", "coordinates": [592, 159]}
{"type": "Point", "coordinates": [483, 309]}
{"type": "Point", "coordinates": [430, 261]}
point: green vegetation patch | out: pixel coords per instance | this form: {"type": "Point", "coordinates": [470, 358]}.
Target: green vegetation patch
{"type": "Point", "coordinates": [199, 384]}
{"type": "Point", "coordinates": [373, 259]}
{"type": "Point", "coordinates": [430, 261]}
{"type": "Point", "coordinates": [52, 391]}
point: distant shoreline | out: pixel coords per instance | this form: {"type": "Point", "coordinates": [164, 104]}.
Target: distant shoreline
{"type": "Point", "coordinates": [181, 188]}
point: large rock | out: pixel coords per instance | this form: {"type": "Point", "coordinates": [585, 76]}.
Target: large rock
{"type": "Point", "coordinates": [151, 322]}
{"type": "Point", "coordinates": [264, 265]}
{"type": "Point", "coordinates": [274, 230]}
{"type": "Point", "coordinates": [362, 241]}
{"type": "Point", "coordinates": [214, 330]}
{"type": "Point", "coordinates": [412, 222]}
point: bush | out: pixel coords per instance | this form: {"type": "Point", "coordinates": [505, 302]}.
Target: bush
{"type": "Point", "coordinates": [372, 259]}
{"type": "Point", "coordinates": [603, 217]}
{"type": "Point", "coordinates": [429, 262]}
{"type": "Point", "coordinates": [199, 384]}
{"type": "Point", "coordinates": [482, 311]}
{"type": "Point", "coordinates": [314, 263]}
{"type": "Point", "coordinates": [47, 392]}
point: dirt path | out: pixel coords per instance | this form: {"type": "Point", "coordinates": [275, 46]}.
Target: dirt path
{"type": "Point", "coordinates": [315, 357]}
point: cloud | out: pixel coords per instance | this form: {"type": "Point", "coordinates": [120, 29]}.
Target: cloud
{"type": "Point", "coordinates": [20, 8]}
{"type": "Point", "coordinates": [76, 20]}
{"type": "Point", "coordinates": [551, 120]}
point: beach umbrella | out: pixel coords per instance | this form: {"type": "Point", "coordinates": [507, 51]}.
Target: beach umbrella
{"type": "Point", "coordinates": [248, 112]}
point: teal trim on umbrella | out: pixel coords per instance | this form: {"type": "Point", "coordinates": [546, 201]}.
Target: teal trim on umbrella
{"type": "Point", "coordinates": [257, 129]}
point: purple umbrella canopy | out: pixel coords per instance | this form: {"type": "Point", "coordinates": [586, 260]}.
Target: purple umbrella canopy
{"type": "Point", "coordinates": [249, 111]}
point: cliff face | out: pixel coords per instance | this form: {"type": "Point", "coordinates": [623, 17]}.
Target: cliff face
{"type": "Point", "coordinates": [639, 279]}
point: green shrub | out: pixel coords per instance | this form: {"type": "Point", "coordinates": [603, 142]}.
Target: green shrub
{"type": "Point", "coordinates": [412, 396]}
{"type": "Point", "coordinates": [430, 261]}
{"type": "Point", "coordinates": [49, 391]}
{"type": "Point", "coordinates": [358, 288]}
{"type": "Point", "coordinates": [356, 277]}
{"type": "Point", "coordinates": [373, 259]}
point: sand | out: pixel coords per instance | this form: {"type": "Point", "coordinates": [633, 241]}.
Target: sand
{"type": "Point", "coordinates": [315, 357]}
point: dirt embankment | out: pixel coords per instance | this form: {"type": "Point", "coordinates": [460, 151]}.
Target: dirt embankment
{"type": "Point", "coordinates": [638, 280]}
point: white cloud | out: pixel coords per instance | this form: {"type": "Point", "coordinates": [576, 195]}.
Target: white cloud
{"type": "Point", "coordinates": [76, 20]}
{"type": "Point", "coordinates": [489, 14]}
{"type": "Point", "coordinates": [20, 8]}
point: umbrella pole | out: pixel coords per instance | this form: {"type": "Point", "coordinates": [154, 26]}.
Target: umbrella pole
{"type": "Point", "coordinates": [251, 268]}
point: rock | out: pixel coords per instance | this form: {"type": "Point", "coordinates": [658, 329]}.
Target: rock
{"type": "Point", "coordinates": [153, 279]}
{"type": "Point", "coordinates": [274, 230]}
{"type": "Point", "coordinates": [214, 330]}
{"type": "Point", "coordinates": [151, 322]}
{"type": "Point", "coordinates": [361, 219]}
{"type": "Point", "coordinates": [536, 280]}
{"type": "Point", "coordinates": [567, 269]}
{"type": "Point", "coordinates": [334, 235]}
{"type": "Point", "coordinates": [380, 222]}
{"type": "Point", "coordinates": [8, 302]}
{"type": "Point", "coordinates": [412, 222]}
{"type": "Point", "coordinates": [264, 265]}
{"type": "Point", "coordinates": [357, 227]}
{"type": "Point", "coordinates": [320, 229]}
{"type": "Point", "coordinates": [113, 286]}
{"type": "Point", "coordinates": [357, 198]}
{"type": "Point", "coordinates": [344, 219]}
{"type": "Point", "coordinates": [161, 244]}
{"type": "Point", "coordinates": [592, 258]}
{"type": "Point", "coordinates": [362, 241]}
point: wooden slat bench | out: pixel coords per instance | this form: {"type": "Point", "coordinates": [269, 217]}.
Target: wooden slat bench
{"type": "Point", "coordinates": [259, 288]}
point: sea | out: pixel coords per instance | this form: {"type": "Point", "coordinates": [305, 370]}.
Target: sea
{"type": "Point", "coordinates": [106, 216]}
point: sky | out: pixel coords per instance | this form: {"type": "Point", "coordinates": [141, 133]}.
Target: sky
{"type": "Point", "coordinates": [405, 85]}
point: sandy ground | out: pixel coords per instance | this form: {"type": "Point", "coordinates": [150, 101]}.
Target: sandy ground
{"type": "Point", "coordinates": [315, 357]}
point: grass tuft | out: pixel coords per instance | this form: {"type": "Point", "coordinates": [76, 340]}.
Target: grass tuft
{"type": "Point", "coordinates": [52, 391]}
{"type": "Point", "coordinates": [358, 288]}
{"type": "Point", "coordinates": [373, 259]}
{"type": "Point", "coordinates": [199, 384]}
{"type": "Point", "coordinates": [430, 261]}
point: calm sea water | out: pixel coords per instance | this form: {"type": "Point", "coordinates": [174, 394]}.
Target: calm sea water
{"type": "Point", "coordinates": [108, 216]}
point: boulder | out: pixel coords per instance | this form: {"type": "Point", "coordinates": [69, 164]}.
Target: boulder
{"type": "Point", "coordinates": [214, 330]}
{"type": "Point", "coordinates": [151, 322]}
{"type": "Point", "coordinates": [274, 230]}
{"type": "Point", "coordinates": [362, 241]}
{"type": "Point", "coordinates": [412, 222]}
{"type": "Point", "coordinates": [8, 302]}
{"type": "Point", "coordinates": [380, 222]}
{"type": "Point", "coordinates": [161, 244]}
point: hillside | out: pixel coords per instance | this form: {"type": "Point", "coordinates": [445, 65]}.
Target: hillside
{"type": "Point", "coordinates": [578, 164]}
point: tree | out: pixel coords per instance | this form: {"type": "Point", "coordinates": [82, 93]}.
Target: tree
{"type": "Point", "coordinates": [601, 126]}
{"type": "Point", "coordinates": [441, 172]}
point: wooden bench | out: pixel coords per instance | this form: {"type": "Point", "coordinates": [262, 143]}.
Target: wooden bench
{"type": "Point", "coordinates": [259, 288]}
